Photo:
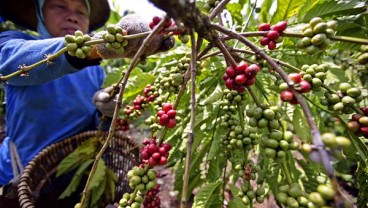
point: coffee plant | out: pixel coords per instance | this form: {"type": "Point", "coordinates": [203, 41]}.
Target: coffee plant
{"type": "Point", "coordinates": [258, 102]}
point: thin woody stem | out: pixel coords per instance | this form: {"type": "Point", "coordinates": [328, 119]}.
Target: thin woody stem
{"type": "Point", "coordinates": [25, 69]}
{"type": "Point", "coordinates": [192, 123]}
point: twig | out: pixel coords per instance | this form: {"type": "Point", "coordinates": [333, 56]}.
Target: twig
{"type": "Point", "coordinates": [218, 9]}
{"type": "Point", "coordinates": [192, 123]}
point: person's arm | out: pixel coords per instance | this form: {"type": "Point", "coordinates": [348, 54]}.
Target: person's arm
{"type": "Point", "coordinates": [17, 50]}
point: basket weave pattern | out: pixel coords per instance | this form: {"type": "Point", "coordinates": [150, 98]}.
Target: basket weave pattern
{"type": "Point", "coordinates": [121, 155]}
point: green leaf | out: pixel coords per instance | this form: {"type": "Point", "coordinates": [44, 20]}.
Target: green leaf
{"type": "Point", "coordinates": [234, 9]}
{"type": "Point", "coordinates": [111, 180]}
{"type": "Point", "coordinates": [138, 80]}
{"type": "Point", "coordinates": [76, 179]}
{"type": "Point", "coordinates": [96, 194]}
{"type": "Point", "coordinates": [286, 9]}
{"type": "Point", "coordinates": [215, 169]}
{"type": "Point", "coordinates": [236, 201]}
{"type": "Point", "coordinates": [215, 146]}
{"type": "Point", "coordinates": [82, 153]}
{"type": "Point", "coordinates": [301, 125]}
{"type": "Point", "coordinates": [215, 96]}
{"type": "Point", "coordinates": [202, 198]}
{"type": "Point", "coordinates": [265, 11]}
{"type": "Point", "coordinates": [99, 175]}
{"type": "Point", "coordinates": [334, 8]}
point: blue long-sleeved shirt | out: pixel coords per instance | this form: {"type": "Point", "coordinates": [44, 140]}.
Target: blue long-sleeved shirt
{"type": "Point", "coordinates": [51, 104]}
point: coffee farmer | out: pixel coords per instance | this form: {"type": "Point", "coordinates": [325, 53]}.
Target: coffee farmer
{"type": "Point", "coordinates": [58, 100]}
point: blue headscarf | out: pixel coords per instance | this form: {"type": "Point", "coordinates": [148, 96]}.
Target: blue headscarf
{"type": "Point", "coordinates": [41, 27]}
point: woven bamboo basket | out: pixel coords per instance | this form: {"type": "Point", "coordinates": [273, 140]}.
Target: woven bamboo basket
{"type": "Point", "coordinates": [121, 155]}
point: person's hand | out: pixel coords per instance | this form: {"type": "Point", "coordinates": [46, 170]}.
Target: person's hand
{"type": "Point", "coordinates": [134, 24]}
{"type": "Point", "coordinates": [103, 102]}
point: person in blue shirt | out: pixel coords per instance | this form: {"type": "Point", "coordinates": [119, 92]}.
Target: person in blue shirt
{"type": "Point", "coordinates": [53, 101]}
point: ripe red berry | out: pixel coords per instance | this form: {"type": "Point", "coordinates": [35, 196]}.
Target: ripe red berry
{"type": "Point", "coordinates": [356, 117]}
{"type": "Point", "coordinates": [264, 27]}
{"type": "Point", "coordinates": [144, 154]}
{"type": "Point", "coordinates": [166, 107]}
{"type": "Point", "coordinates": [365, 110]}
{"type": "Point", "coordinates": [295, 77]}
{"type": "Point", "coordinates": [171, 123]}
{"type": "Point", "coordinates": [286, 95]}
{"type": "Point", "coordinates": [152, 162]}
{"type": "Point", "coordinates": [156, 156]}
{"type": "Point", "coordinates": [160, 113]}
{"type": "Point", "coordinates": [272, 45]}
{"type": "Point", "coordinates": [167, 146]}
{"type": "Point", "coordinates": [164, 119]}
{"type": "Point", "coordinates": [264, 41]}
{"type": "Point", "coordinates": [280, 26]}
{"type": "Point", "coordinates": [364, 130]}
{"type": "Point", "coordinates": [293, 101]}
{"type": "Point", "coordinates": [304, 86]}
{"type": "Point", "coordinates": [156, 20]}
{"type": "Point", "coordinates": [241, 67]}
{"type": "Point", "coordinates": [273, 35]}
{"type": "Point", "coordinates": [152, 148]}
{"type": "Point", "coordinates": [252, 70]}
{"type": "Point", "coordinates": [251, 81]}
{"type": "Point", "coordinates": [162, 150]}
{"type": "Point", "coordinates": [240, 89]}
{"type": "Point", "coordinates": [230, 84]}
{"type": "Point", "coordinates": [151, 25]}
{"type": "Point", "coordinates": [240, 79]}
{"type": "Point", "coordinates": [168, 23]}
{"type": "Point", "coordinates": [230, 71]}
{"type": "Point", "coordinates": [225, 77]}
{"type": "Point", "coordinates": [163, 161]}
{"type": "Point", "coordinates": [171, 113]}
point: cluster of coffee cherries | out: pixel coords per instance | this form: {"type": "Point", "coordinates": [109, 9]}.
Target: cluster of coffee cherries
{"type": "Point", "coordinates": [114, 37]}
{"type": "Point", "coordinates": [233, 96]}
{"type": "Point", "coordinates": [344, 99]}
{"type": "Point", "coordinates": [166, 116]}
{"type": "Point", "coordinates": [140, 102]}
{"type": "Point", "coordinates": [248, 194]}
{"type": "Point", "coordinates": [155, 154]}
{"type": "Point", "coordinates": [300, 85]}
{"type": "Point", "coordinates": [277, 143]}
{"type": "Point", "coordinates": [359, 123]}
{"type": "Point", "coordinates": [317, 35]}
{"type": "Point", "coordinates": [74, 44]}
{"type": "Point", "coordinates": [273, 35]}
{"type": "Point", "coordinates": [292, 196]}
{"type": "Point", "coordinates": [228, 119]}
{"type": "Point", "coordinates": [240, 76]}
{"type": "Point", "coordinates": [142, 179]}
{"type": "Point", "coordinates": [315, 75]}
{"type": "Point", "coordinates": [322, 197]}
{"type": "Point", "coordinates": [239, 138]}
{"type": "Point", "coordinates": [131, 200]}
{"type": "Point", "coordinates": [122, 124]}
{"type": "Point", "coordinates": [264, 116]}
{"type": "Point", "coordinates": [152, 200]}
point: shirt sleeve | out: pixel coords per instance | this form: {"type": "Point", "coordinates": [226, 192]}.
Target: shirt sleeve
{"type": "Point", "coordinates": [18, 50]}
